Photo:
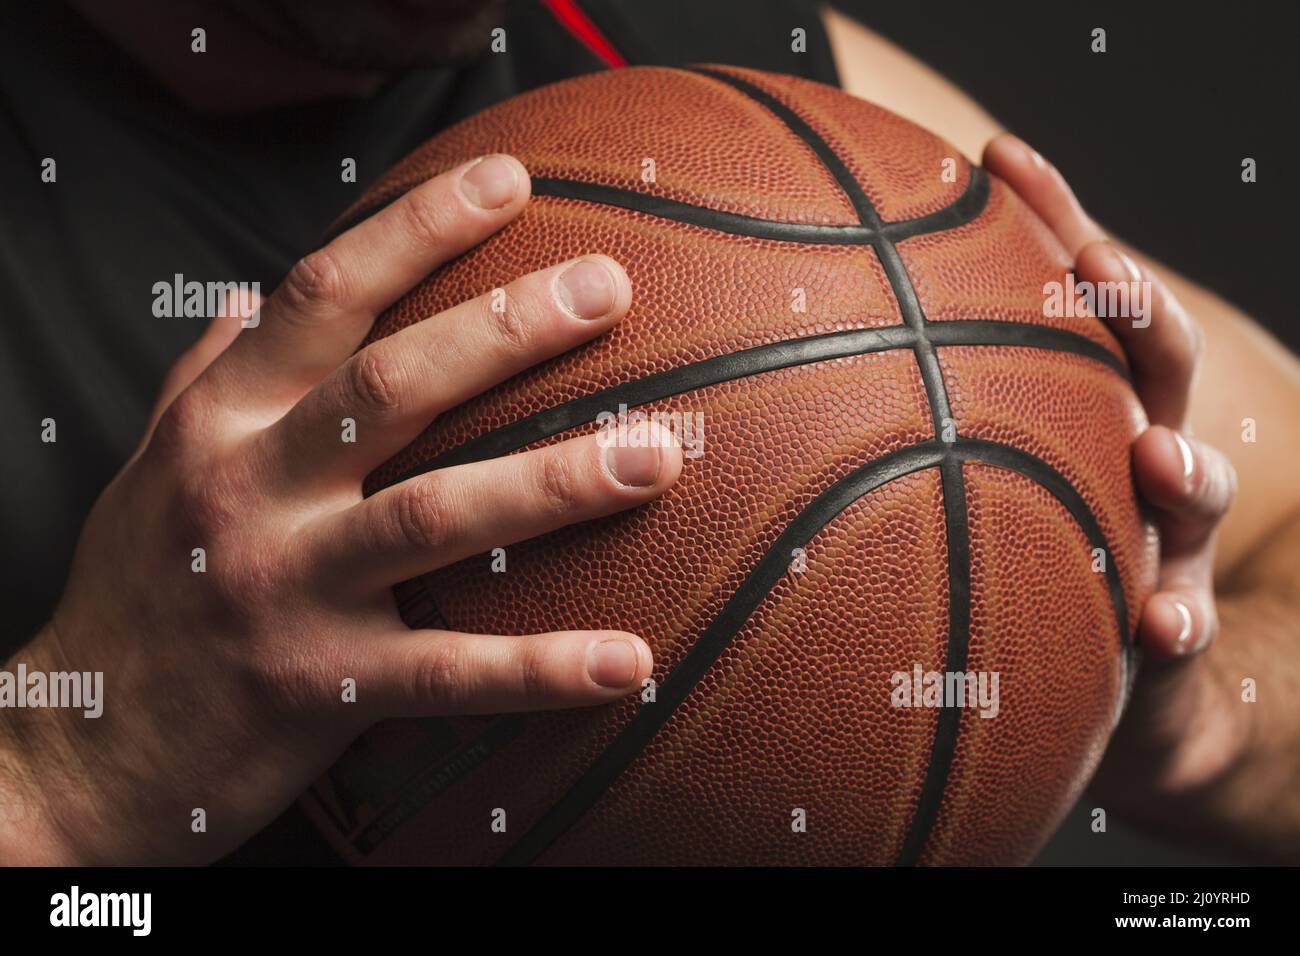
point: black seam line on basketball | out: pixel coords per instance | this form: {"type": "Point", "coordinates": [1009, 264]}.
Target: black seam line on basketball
{"type": "Point", "coordinates": [959, 332]}
{"type": "Point", "coordinates": [823, 150]}
{"type": "Point", "coordinates": [755, 361]}
{"type": "Point", "coordinates": [961, 211]}
{"type": "Point", "coordinates": [771, 567]}
{"type": "Point", "coordinates": [948, 724]}
{"type": "Point", "coordinates": [895, 270]}
{"type": "Point", "coordinates": [948, 721]}
{"type": "Point", "coordinates": [715, 219]}
{"type": "Point", "coordinates": [936, 390]}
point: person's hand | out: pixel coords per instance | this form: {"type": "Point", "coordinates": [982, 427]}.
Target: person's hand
{"type": "Point", "coordinates": [224, 682]}
{"type": "Point", "coordinates": [1180, 730]}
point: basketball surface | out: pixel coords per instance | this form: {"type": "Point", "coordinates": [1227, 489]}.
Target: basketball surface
{"type": "Point", "coordinates": [906, 467]}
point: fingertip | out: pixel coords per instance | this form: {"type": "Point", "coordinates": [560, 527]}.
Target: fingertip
{"type": "Point", "coordinates": [1188, 461]}
{"type": "Point", "coordinates": [1102, 261]}
{"type": "Point", "coordinates": [1041, 186]}
{"type": "Point", "coordinates": [594, 288]}
{"type": "Point", "coordinates": [618, 661]}
{"type": "Point", "coordinates": [671, 458]}
{"type": "Point", "coordinates": [644, 455]}
{"type": "Point", "coordinates": [524, 189]}
{"type": "Point", "coordinates": [645, 657]}
{"type": "Point", "coordinates": [1006, 150]}
{"type": "Point", "coordinates": [497, 182]}
{"type": "Point", "coordinates": [622, 285]}
{"type": "Point", "coordinates": [1164, 464]}
{"type": "Point", "coordinates": [1172, 628]}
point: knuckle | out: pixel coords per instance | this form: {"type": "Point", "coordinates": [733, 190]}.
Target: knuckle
{"type": "Point", "coordinates": [441, 677]}
{"type": "Point", "coordinates": [205, 502]}
{"type": "Point", "coordinates": [425, 218]}
{"type": "Point", "coordinates": [557, 483]}
{"type": "Point", "coordinates": [246, 570]}
{"type": "Point", "coordinates": [286, 680]}
{"type": "Point", "coordinates": [534, 675]}
{"type": "Point", "coordinates": [509, 323]}
{"type": "Point", "coordinates": [183, 424]}
{"type": "Point", "coordinates": [316, 280]}
{"type": "Point", "coordinates": [247, 582]}
{"type": "Point", "coordinates": [372, 379]}
{"type": "Point", "coordinates": [424, 520]}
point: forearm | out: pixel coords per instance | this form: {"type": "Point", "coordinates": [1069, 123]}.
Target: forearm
{"type": "Point", "coordinates": [33, 769]}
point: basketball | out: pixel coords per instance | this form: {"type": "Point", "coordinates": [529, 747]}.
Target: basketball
{"type": "Point", "coordinates": [891, 598]}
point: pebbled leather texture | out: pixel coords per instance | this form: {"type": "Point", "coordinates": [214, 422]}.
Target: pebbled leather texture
{"type": "Point", "coordinates": [794, 712]}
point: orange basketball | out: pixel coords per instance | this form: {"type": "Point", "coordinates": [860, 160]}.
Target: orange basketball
{"type": "Point", "coordinates": [891, 598]}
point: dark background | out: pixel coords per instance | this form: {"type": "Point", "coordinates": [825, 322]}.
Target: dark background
{"type": "Point", "coordinates": [1151, 135]}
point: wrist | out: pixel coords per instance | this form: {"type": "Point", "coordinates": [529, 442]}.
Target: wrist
{"type": "Point", "coordinates": [29, 832]}
{"type": "Point", "coordinates": [37, 775]}
{"type": "Point", "coordinates": [1216, 766]}
{"type": "Point", "coordinates": [1258, 796]}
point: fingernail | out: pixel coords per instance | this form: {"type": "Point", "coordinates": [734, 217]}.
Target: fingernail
{"type": "Point", "coordinates": [1184, 635]}
{"type": "Point", "coordinates": [1189, 463]}
{"type": "Point", "coordinates": [490, 183]}
{"type": "Point", "coordinates": [586, 289]}
{"type": "Point", "coordinates": [632, 466]}
{"type": "Point", "coordinates": [612, 663]}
